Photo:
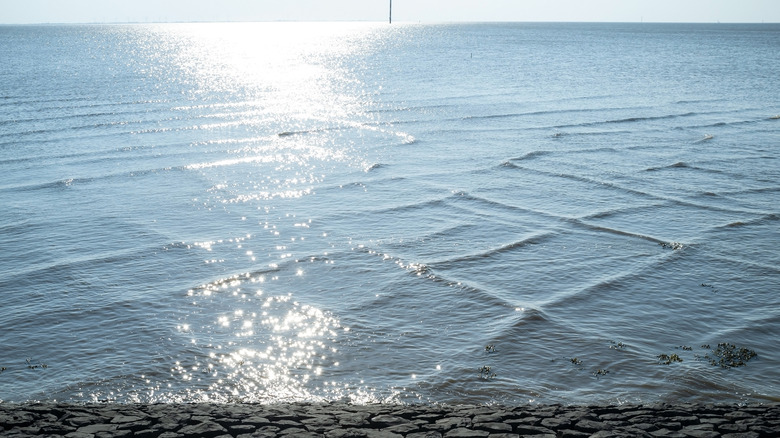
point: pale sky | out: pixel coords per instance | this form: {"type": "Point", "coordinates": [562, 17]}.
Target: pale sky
{"type": "Point", "coordinates": [426, 11]}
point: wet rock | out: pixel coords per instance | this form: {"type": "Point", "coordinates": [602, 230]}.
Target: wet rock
{"type": "Point", "coordinates": [206, 429]}
{"type": "Point", "coordinates": [355, 419]}
{"type": "Point", "coordinates": [462, 432]}
{"type": "Point", "coordinates": [95, 428]}
{"type": "Point", "coordinates": [256, 420]}
{"type": "Point", "coordinates": [493, 427]}
{"type": "Point", "coordinates": [384, 420]}
{"type": "Point", "coordinates": [589, 426]}
{"type": "Point", "coordinates": [556, 423]}
{"type": "Point", "coordinates": [429, 434]}
{"type": "Point", "coordinates": [533, 430]}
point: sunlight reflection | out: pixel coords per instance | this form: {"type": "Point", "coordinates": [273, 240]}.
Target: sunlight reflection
{"type": "Point", "coordinates": [249, 355]}
{"type": "Point", "coordinates": [291, 96]}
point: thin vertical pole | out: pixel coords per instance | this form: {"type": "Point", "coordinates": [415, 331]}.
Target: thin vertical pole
{"type": "Point", "coordinates": [391, 11]}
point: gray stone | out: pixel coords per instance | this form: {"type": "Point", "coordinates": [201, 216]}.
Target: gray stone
{"type": "Point", "coordinates": [529, 420]}
{"type": "Point", "coordinates": [741, 435]}
{"type": "Point", "coordinates": [353, 419]}
{"type": "Point", "coordinates": [114, 434]}
{"type": "Point", "coordinates": [555, 422]}
{"type": "Point", "coordinates": [205, 429]}
{"type": "Point", "coordinates": [533, 430]}
{"type": "Point", "coordinates": [346, 433]}
{"type": "Point", "coordinates": [256, 420]}
{"type": "Point", "coordinates": [287, 423]}
{"type": "Point", "coordinates": [489, 418]}
{"type": "Point", "coordinates": [260, 433]}
{"type": "Point", "coordinates": [429, 434]}
{"type": "Point", "coordinates": [241, 428]}
{"type": "Point", "coordinates": [647, 427]}
{"type": "Point", "coordinates": [462, 432]}
{"type": "Point", "coordinates": [82, 420]}
{"type": "Point", "coordinates": [666, 433]}
{"type": "Point", "coordinates": [454, 422]}
{"type": "Point", "coordinates": [732, 428]}
{"type": "Point", "coordinates": [671, 425]}
{"type": "Point", "coordinates": [79, 435]}
{"type": "Point", "coordinates": [765, 430]}
{"type": "Point", "coordinates": [610, 434]}
{"type": "Point", "coordinates": [737, 415]}
{"type": "Point", "coordinates": [714, 420]}
{"type": "Point", "coordinates": [125, 419]}
{"type": "Point", "coordinates": [634, 432]}
{"type": "Point", "coordinates": [16, 419]}
{"type": "Point", "coordinates": [319, 423]}
{"type": "Point", "coordinates": [590, 426]}
{"type": "Point", "coordinates": [494, 427]}
{"type": "Point", "coordinates": [569, 433]}
{"type": "Point", "coordinates": [700, 433]}
{"type": "Point", "coordinates": [55, 429]}
{"type": "Point", "coordinates": [226, 421]}
{"type": "Point", "coordinates": [388, 420]}
{"type": "Point", "coordinates": [372, 433]}
{"type": "Point", "coordinates": [294, 431]}
{"type": "Point", "coordinates": [95, 428]}
{"type": "Point", "coordinates": [402, 428]}
{"type": "Point", "coordinates": [135, 425]}
{"type": "Point", "coordinates": [686, 420]}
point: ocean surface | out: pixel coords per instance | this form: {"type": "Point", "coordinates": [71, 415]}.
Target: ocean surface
{"type": "Point", "coordinates": [407, 213]}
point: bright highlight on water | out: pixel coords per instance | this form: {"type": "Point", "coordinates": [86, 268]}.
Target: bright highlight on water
{"type": "Point", "coordinates": [477, 213]}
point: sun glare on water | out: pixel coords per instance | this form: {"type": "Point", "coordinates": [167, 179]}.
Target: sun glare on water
{"type": "Point", "coordinates": [277, 109]}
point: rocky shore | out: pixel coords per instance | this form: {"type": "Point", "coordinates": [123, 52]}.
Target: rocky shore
{"type": "Point", "coordinates": [336, 420]}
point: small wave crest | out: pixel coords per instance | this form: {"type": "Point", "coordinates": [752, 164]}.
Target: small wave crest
{"type": "Point", "coordinates": [375, 167]}
{"type": "Point", "coordinates": [531, 155]}
{"type": "Point", "coordinates": [677, 165]}
{"type": "Point", "coordinates": [534, 239]}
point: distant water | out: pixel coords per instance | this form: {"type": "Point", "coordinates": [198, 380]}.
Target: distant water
{"type": "Point", "coordinates": [481, 213]}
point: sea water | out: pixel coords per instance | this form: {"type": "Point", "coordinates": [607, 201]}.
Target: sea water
{"type": "Point", "coordinates": [479, 213]}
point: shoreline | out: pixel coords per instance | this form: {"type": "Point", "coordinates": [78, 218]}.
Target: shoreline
{"type": "Point", "coordinates": [342, 420]}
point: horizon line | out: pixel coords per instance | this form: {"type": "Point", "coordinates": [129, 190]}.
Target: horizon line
{"type": "Point", "coordinates": [59, 23]}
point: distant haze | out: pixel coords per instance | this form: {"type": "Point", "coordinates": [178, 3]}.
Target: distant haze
{"type": "Point", "coordinates": [428, 11]}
